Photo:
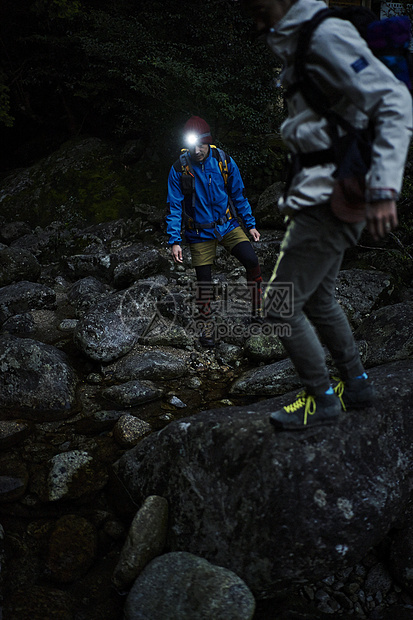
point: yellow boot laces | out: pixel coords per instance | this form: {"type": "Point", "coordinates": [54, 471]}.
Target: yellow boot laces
{"type": "Point", "coordinates": [303, 400]}
{"type": "Point", "coordinates": [339, 389]}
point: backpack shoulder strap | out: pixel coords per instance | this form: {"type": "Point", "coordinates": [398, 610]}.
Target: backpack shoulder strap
{"type": "Point", "coordinates": [312, 93]}
{"type": "Point", "coordinates": [222, 158]}
{"type": "Point", "coordinates": [310, 90]}
{"type": "Point", "coordinates": [183, 163]}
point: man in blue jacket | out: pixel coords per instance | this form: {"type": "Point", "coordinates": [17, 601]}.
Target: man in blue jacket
{"type": "Point", "coordinates": [201, 201]}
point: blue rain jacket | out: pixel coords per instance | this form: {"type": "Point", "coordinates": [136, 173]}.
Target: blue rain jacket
{"type": "Point", "coordinates": [211, 201]}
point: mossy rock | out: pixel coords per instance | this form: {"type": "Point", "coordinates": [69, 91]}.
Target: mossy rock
{"type": "Point", "coordinates": [85, 180]}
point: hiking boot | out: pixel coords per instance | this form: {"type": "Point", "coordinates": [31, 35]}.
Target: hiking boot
{"type": "Point", "coordinates": [305, 411]}
{"type": "Point", "coordinates": [207, 335]}
{"type": "Point", "coordinates": [355, 393]}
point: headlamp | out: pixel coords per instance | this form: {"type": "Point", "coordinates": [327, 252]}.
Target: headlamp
{"type": "Point", "coordinates": [192, 139]}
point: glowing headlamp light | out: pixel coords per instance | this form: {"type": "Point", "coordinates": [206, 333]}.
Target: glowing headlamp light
{"type": "Point", "coordinates": [192, 139]}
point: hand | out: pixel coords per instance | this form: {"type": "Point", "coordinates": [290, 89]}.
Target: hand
{"type": "Point", "coordinates": [176, 252]}
{"type": "Point", "coordinates": [381, 218]}
{"type": "Point", "coordinates": [254, 234]}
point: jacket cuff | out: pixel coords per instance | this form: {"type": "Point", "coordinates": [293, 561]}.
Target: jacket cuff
{"type": "Point", "coordinates": [375, 194]}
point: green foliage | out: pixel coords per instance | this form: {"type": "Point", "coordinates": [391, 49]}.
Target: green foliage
{"type": "Point", "coordinates": [128, 70]}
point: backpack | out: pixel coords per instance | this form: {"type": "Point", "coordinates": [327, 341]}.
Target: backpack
{"type": "Point", "coordinates": [184, 166]}
{"type": "Point", "coordinates": [389, 40]}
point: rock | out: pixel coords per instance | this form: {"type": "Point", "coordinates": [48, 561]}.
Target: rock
{"type": "Point", "coordinates": [266, 212]}
{"type": "Point", "coordinates": [40, 602]}
{"type": "Point", "coordinates": [401, 552]}
{"type": "Point", "coordinates": [81, 164]}
{"type": "Point", "coordinates": [180, 585]}
{"type": "Point", "coordinates": [277, 508]}
{"type": "Point", "coordinates": [72, 548]}
{"type": "Point", "coordinates": [112, 327]}
{"type": "Point", "coordinates": [388, 334]}
{"type": "Point", "coordinates": [89, 265]}
{"type": "Point", "coordinates": [145, 540]}
{"type": "Point", "coordinates": [278, 377]}
{"type": "Point", "coordinates": [23, 296]}
{"type": "Point", "coordinates": [228, 353]}
{"type": "Point", "coordinates": [46, 326]}
{"type": "Point", "coordinates": [358, 291]}
{"type": "Point", "coordinates": [176, 402]}
{"type": "Point", "coordinates": [86, 293]}
{"type": "Point", "coordinates": [111, 231]}
{"type": "Point", "coordinates": [129, 429]}
{"type": "Point", "coordinates": [16, 265]}
{"type": "Point", "coordinates": [153, 214]}
{"type": "Point", "coordinates": [143, 364]}
{"type": "Point", "coordinates": [268, 380]}
{"type": "Point", "coordinates": [73, 475]}
{"type": "Point", "coordinates": [149, 262]}
{"type": "Point", "coordinates": [22, 324]}
{"type": "Point", "coordinates": [165, 333]}
{"type": "Point", "coordinates": [46, 244]}
{"type": "Point", "coordinates": [12, 433]}
{"type": "Point", "coordinates": [96, 422]}
{"type": "Point", "coordinates": [12, 231]}
{"type": "Point", "coordinates": [14, 479]}
{"type": "Point", "coordinates": [378, 580]}
{"type": "Point", "coordinates": [264, 348]}
{"type": "Point", "coordinates": [36, 381]}
{"type": "Point", "coordinates": [133, 393]}
{"type": "Point", "coordinates": [67, 325]}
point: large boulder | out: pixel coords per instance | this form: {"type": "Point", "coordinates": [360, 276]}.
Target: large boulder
{"type": "Point", "coordinates": [359, 291]}
{"type": "Point", "coordinates": [16, 264]}
{"type": "Point", "coordinates": [24, 296]}
{"type": "Point", "coordinates": [153, 364]}
{"type": "Point", "coordinates": [36, 381]}
{"type": "Point", "coordinates": [149, 262]}
{"type": "Point", "coordinates": [388, 332]}
{"type": "Point", "coordinates": [266, 212]}
{"type": "Point", "coordinates": [279, 507]}
{"type": "Point", "coordinates": [112, 327]}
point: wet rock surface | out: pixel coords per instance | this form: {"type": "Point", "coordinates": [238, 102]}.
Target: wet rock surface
{"type": "Point", "coordinates": [229, 472]}
{"type": "Point", "coordinates": [88, 313]}
{"type": "Point", "coordinates": [160, 592]}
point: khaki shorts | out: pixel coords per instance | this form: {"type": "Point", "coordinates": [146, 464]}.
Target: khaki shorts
{"type": "Point", "coordinates": [204, 252]}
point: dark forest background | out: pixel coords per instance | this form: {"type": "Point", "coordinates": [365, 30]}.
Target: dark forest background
{"type": "Point", "coordinates": [133, 70]}
{"type": "Point", "coordinates": [130, 73]}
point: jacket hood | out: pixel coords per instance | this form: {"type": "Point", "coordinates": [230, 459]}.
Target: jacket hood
{"type": "Point", "coordinates": [280, 38]}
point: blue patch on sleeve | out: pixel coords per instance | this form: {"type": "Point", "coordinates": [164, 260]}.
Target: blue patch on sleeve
{"type": "Point", "coordinates": [359, 64]}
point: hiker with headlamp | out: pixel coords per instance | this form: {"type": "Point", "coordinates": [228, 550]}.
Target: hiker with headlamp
{"type": "Point", "coordinates": [206, 197]}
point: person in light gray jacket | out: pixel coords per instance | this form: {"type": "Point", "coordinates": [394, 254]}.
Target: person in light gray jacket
{"type": "Point", "coordinates": [362, 91]}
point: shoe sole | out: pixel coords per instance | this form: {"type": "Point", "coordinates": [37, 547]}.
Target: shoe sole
{"type": "Point", "coordinates": [361, 404]}
{"type": "Point", "coordinates": [281, 426]}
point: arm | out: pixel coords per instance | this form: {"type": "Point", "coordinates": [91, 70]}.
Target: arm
{"type": "Point", "coordinates": [237, 192]}
{"type": "Point", "coordinates": [175, 209]}
{"type": "Point", "coordinates": [344, 64]}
